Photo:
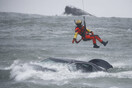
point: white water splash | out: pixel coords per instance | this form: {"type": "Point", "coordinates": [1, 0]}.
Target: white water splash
{"type": "Point", "coordinates": [25, 71]}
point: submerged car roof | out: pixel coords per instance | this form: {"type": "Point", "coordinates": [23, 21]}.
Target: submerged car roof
{"type": "Point", "coordinates": [63, 60]}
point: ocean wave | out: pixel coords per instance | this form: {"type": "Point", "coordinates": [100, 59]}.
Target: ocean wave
{"type": "Point", "coordinates": [26, 71]}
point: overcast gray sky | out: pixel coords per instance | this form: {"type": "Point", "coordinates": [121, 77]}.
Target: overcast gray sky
{"type": "Point", "coordinates": [100, 8]}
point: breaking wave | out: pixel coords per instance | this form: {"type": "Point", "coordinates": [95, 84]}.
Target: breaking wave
{"type": "Point", "coordinates": [19, 71]}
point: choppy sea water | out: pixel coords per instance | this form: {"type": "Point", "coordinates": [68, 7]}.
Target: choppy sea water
{"type": "Point", "coordinates": [27, 39]}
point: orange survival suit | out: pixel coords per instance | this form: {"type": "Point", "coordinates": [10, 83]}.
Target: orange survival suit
{"type": "Point", "coordinates": [87, 35]}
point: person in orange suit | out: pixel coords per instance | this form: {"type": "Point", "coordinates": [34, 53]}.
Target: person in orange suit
{"type": "Point", "coordinates": [86, 35]}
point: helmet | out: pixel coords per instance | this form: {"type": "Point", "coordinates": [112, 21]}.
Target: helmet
{"type": "Point", "coordinates": [78, 22]}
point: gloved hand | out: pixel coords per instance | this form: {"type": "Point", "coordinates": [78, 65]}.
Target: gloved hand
{"type": "Point", "coordinates": [73, 40]}
{"type": "Point", "coordinates": [92, 33]}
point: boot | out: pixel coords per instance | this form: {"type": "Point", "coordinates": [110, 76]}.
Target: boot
{"type": "Point", "coordinates": [104, 43]}
{"type": "Point", "coordinates": [95, 46]}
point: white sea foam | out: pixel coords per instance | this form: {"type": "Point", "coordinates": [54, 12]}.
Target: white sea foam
{"type": "Point", "coordinates": [25, 71]}
{"type": "Point", "coordinates": [125, 74]}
